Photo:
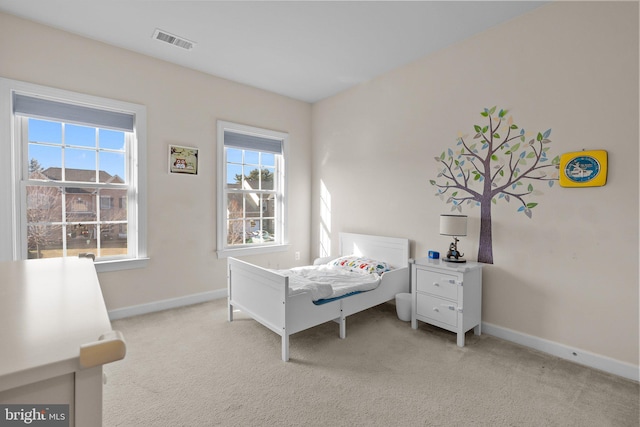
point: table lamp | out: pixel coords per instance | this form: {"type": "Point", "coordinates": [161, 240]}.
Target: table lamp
{"type": "Point", "coordinates": [453, 225]}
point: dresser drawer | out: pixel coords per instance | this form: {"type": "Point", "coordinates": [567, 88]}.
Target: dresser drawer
{"type": "Point", "coordinates": [437, 309]}
{"type": "Point", "coordinates": [440, 284]}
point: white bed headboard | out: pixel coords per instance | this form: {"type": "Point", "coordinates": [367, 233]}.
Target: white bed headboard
{"type": "Point", "coordinates": [392, 250]}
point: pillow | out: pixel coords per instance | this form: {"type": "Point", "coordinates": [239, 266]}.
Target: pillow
{"type": "Point", "coordinates": [361, 264]}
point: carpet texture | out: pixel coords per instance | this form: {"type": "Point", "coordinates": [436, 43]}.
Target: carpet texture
{"type": "Point", "coordinates": [190, 367]}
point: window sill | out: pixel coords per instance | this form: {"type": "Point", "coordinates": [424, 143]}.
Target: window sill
{"type": "Point", "coordinates": [121, 264]}
{"type": "Point", "coordinates": [256, 250]}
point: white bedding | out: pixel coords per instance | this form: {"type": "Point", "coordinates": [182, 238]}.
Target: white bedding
{"type": "Point", "coordinates": [327, 281]}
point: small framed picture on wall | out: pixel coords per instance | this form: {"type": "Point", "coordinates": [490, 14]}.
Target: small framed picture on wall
{"type": "Point", "coordinates": [183, 160]}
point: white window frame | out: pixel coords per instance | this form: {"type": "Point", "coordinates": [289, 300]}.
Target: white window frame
{"type": "Point", "coordinates": [11, 171]}
{"type": "Point", "coordinates": [282, 242]}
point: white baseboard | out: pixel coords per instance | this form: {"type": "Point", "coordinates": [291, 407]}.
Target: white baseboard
{"type": "Point", "coordinates": [582, 357]}
{"type": "Point", "coordinates": [135, 310]}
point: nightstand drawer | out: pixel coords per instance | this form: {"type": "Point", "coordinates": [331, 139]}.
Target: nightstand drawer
{"type": "Point", "coordinates": [437, 309]}
{"type": "Point", "coordinates": [443, 285]}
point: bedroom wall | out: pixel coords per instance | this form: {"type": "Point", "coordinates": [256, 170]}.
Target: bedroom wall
{"type": "Point", "coordinates": [182, 108]}
{"type": "Point", "coordinates": [570, 273]}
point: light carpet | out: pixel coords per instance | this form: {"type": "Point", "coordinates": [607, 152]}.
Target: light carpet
{"type": "Point", "coordinates": [190, 367]}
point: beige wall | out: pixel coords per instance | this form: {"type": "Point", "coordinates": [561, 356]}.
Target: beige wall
{"type": "Point", "coordinates": [182, 108]}
{"type": "Point", "coordinates": [570, 273]}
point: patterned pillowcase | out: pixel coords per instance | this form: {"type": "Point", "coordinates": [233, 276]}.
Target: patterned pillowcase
{"type": "Point", "coordinates": [361, 265]}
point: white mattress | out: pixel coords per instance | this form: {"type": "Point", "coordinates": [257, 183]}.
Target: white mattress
{"type": "Point", "coordinates": [327, 281]}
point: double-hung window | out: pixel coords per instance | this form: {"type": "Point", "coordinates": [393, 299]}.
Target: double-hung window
{"type": "Point", "coordinates": [251, 190]}
{"type": "Point", "coordinates": [77, 175]}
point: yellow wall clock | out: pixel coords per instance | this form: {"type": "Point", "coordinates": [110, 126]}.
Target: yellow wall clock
{"type": "Point", "coordinates": [583, 169]}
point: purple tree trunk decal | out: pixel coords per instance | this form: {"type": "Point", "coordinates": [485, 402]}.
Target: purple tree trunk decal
{"type": "Point", "coordinates": [494, 167]}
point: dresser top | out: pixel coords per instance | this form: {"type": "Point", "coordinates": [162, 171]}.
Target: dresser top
{"type": "Point", "coordinates": [459, 267]}
{"type": "Point", "coordinates": [48, 309]}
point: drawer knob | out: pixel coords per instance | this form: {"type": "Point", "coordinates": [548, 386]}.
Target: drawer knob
{"type": "Point", "coordinates": [435, 309]}
{"type": "Point", "coordinates": [436, 284]}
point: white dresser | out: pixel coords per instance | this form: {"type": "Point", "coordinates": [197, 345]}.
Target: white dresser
{"type": "Point", "coordinates": [55, 335]}
{"type": "Point", "coordinates": [447, 295]}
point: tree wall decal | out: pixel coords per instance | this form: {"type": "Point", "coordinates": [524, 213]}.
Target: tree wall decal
{"type": "Point", "coordinates": [501, 162]}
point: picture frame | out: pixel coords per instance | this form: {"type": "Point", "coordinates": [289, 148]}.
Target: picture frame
{"type": "Point", "coordinates": [183, 160]}
{"type": "Point", "coordinates": [586, 168]}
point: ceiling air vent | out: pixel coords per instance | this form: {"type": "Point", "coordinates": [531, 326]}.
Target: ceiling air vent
{"type": "Point", "coordinates": [163, 36]}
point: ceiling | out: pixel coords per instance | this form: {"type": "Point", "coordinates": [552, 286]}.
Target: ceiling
{"type": "Point", "coordinates": [307, 50]}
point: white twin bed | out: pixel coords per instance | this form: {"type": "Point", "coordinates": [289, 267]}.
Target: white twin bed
{"type": "Point", "coordinates": [369, 271]}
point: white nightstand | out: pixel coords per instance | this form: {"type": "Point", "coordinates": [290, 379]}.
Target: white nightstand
{"type": "Point", "coordinates": [447, 295]}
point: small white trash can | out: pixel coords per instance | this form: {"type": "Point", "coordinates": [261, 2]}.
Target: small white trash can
{"type": "Point", "coordinates": [403, 307]}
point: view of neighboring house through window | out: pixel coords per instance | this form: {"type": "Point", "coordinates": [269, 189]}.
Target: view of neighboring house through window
{"type": "Point", "coordinates": [251, 196]}
{"type": "Point", "coordinates": [252, 162]}
{"type": "Point", "coordinates": [75, 173]}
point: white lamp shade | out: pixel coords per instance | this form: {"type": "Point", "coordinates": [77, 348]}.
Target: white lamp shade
{"type": "Point", "coordinates": [453, 225]}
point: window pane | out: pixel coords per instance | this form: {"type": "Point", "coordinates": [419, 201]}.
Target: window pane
{"type": "Point", "coordinates": [261, 231]}
{"type": "Point", "coordinates": [44, 241]}
{"type": "Point", "coordinates": [80, 165]}
{"type": "Point", "coordinates": [268, 159]}
{"type": "Point", "coordinates": [45, 131]}
{"type": "Point", "coordinates": [252, 177]}
{"type": "Point", "coordinates": [81, 204]}
{"type": "Point", "coordinates": [113, 239]}
{"type": "Point", "coordinates": [111, 139]}
{"type": "Point", "coordinates": [113, 205]}
{"type": "Point", "coordinates": [80, 135]}
{"type": "Point", "coordinates": [111, 165]}
{"type": "Point", "coordinates": [42, 157]}
{"type": "Point", "coordinates": [268, 205]}
{"type": "Point", "coordinates": [251, 157]}
{"type": "Point", "coordinates": [44, 204]}
{"type": "Point", "coordinates": [234, 155]}
{"type": "Point", "coordinates": [234, 206]}
{"type": "Point", "coordinates": [235, 235]}
{"type": "Point", "coordinates": [252, 205]}
{"type": "Point", "coordinates": [82, 238]}
{"type": "Point", "coordinates": [234, 175]}
{"type": "Point", "coordinates": [267, 178]}
{"type": "Point", "coordinates": [268, 226]}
